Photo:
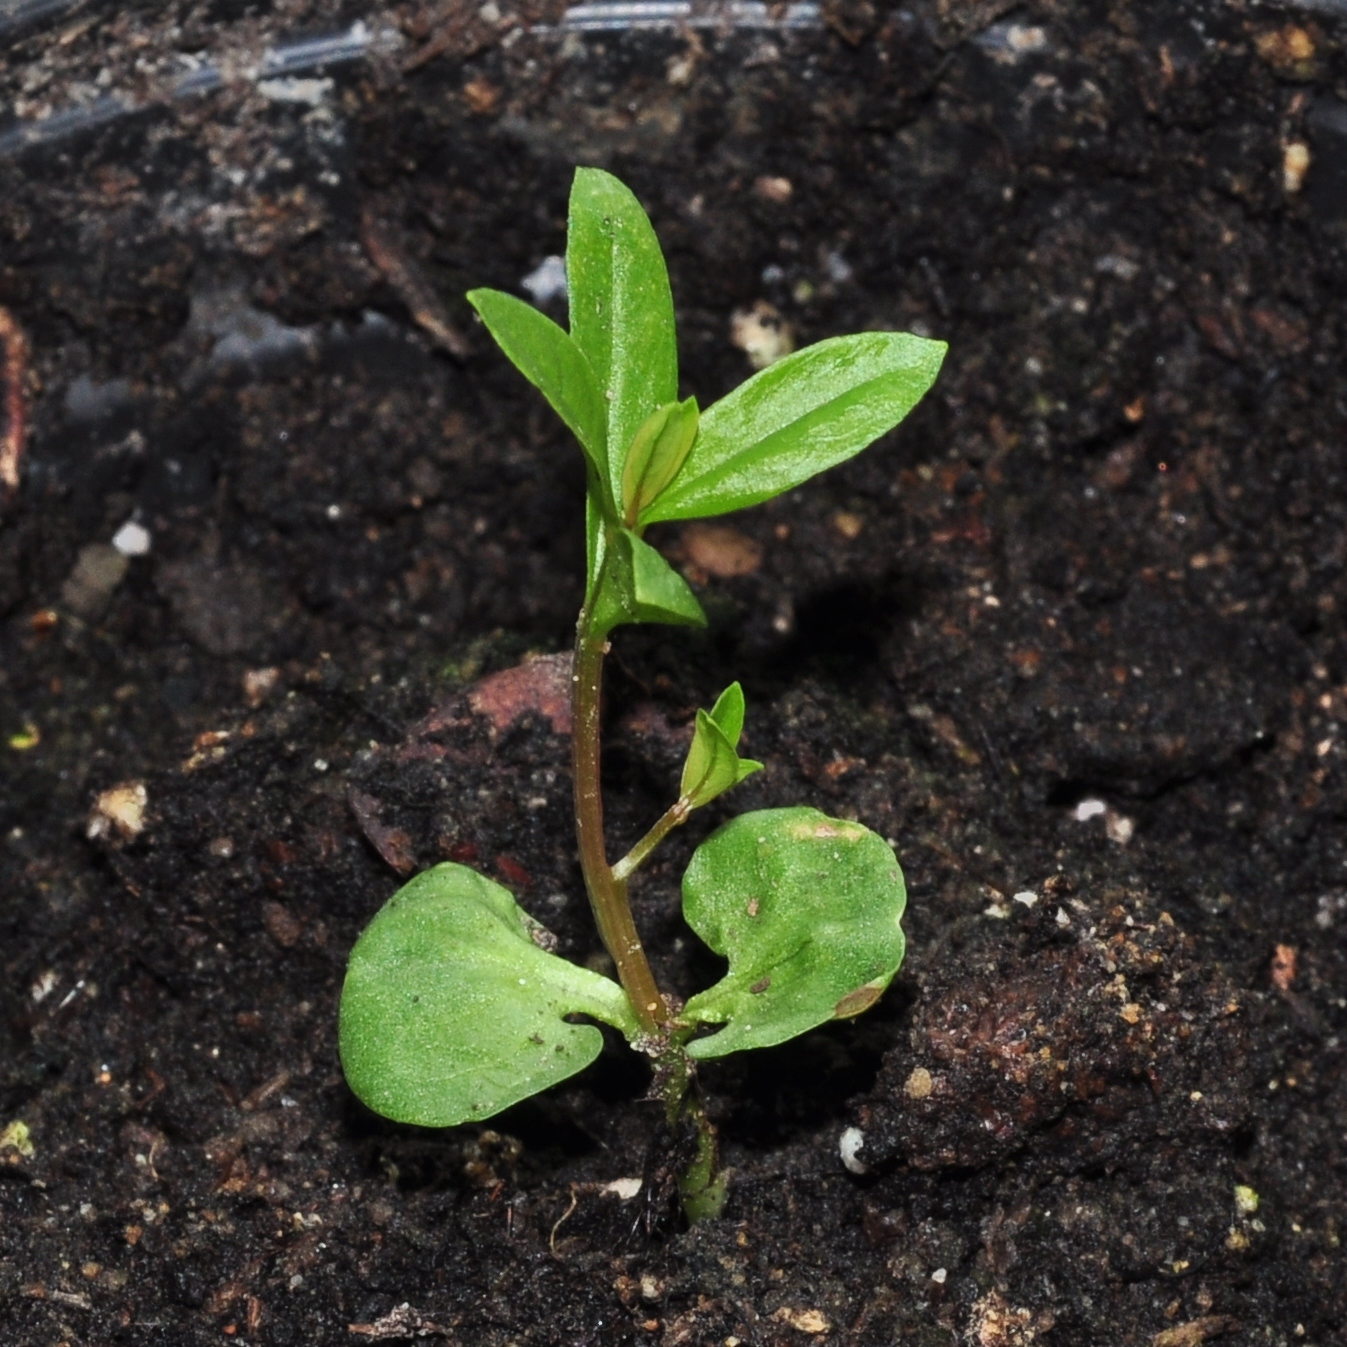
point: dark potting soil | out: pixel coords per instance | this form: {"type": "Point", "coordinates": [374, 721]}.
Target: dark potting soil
{"type": "Point", "coordinates": [1073, 638]}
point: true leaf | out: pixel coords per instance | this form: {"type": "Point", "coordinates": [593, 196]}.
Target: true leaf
{"type": "Point", "coordinates": [713, 764]}
{"type": "Point", "coordinates": [595, 542]}
{"type": "Point", "coordinates": [806, 413]}
{"type": "Point", "coordinates": [807, 910]}
{"type": "Point", "coordinates": [728, 713]}
{"type": "Point", "coordinates": [621, 308]}
{"type": "Point", "coordinates": [451, 1011]}
{"type": "Point", "coordinates": [640, 586]}
{"type": "Point", "coordinates": [555, 365]}
{"type": "Point", "coordinates": [660, 591]}
{"type": "Point", "coordinates": [656, 453]}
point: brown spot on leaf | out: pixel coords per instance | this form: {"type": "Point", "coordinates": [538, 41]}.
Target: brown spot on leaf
{"type": "Point", "coordinates": [854, 1003]}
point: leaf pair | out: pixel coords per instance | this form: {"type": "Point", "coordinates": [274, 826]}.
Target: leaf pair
{"type": "Point", "coordinates": [452, 1011]}
{"type": "Point", "coordinates": [614, 381]}
{"type": "Point", "coordinates": [618, 365]}
{"type": "Point", "coordinates": [713, 763]}
{"type": "Point", "coordinates": [640, 586]}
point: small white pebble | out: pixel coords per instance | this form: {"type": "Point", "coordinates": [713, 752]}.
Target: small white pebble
{"type": "Point", "coordinates": [773, 189]}
{"type": "Point", "coordinates": [1119, 827]}
{"type": "Point", "coordinates": [939, 1275]}
{"type": "Point", "coordinates": [837, 268]}
{"type": "Point", "coordinates": [623, 1189]}
{"type": "Point", "coordinates": [547, 281]}
{"type": "Point", "coordinates": [1062, 919]}
{"type": "Point", "coordinates": [848, 1146]}
{"type": "Point", "coordinates": [320, 764]}
{"type": "Point", "coordinates": [761, 333]}
{"type": "Point", "coordinates": [288, 89]}
{"type": "Point", "coordinates": [122, 808]}
{"type": "Point", "coordinates": [1026, 896]}
{"type": "Point", "coordinates": [919, 1084]}
{"type": "Point", "coordinates": [1088, 809]}
{"type": "Point", "coordinates": [132, 539]}
{"type": "Point", "coordinates": [1295, 164]}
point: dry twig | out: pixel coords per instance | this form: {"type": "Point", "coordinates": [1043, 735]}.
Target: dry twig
{"type": "Point", "coordinates": [17, 351]}
{"type": "Point", "coordinates": [412, 287]}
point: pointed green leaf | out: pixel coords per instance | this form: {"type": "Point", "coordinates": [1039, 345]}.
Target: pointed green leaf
{"type": "Point", "coordinates": [640, 586]}
{"type": "Point", "coordinates": [657, 452]}
{"type": "Point", "coordinates": [712, 765]}
{"type": "Point", "coordinates": [806, 413]}
{"type": "Point", "coordinates": [620, 304]}
{"type": "Point", "coordinates": [554, 365]}
{"type": "Point", "coordinates": [807, 910]}
{"type": "Point", "coordinates": [660, 591]}
{"type": "Point", "coordinates": [451, 1010]}
{"type": "Point", "coordinates": [728, 713]}
{"type": "Point", "coordinates": [595, 544]}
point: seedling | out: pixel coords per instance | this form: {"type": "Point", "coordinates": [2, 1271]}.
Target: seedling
{"type": "Point", "coordinates": [454, 1008]}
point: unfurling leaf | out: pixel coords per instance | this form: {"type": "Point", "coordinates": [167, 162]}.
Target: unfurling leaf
{"type": "Point", "coordinates": [657, 452]}
{"type": "Point", "coordinates": [728, 713]}
{"type": "Point", "coordinates": [555, 365]}
{"type": "Point", "coordinates": [713, 764]}
{"type": "Point", "coordinates": [451, 1010]}
{"type": "Point", "coordinates": [621, 308]}
{"type": "Point", "coordinates": [640, 586]}
{"type": "Point", "coordinates": [808, 412]}
{"type": "Point", "coordinates": [807, 910]}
